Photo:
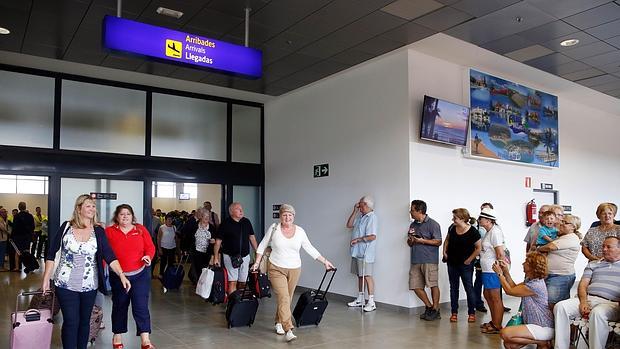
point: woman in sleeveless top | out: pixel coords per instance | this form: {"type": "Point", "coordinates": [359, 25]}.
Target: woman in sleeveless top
{"type": "Point", "coordinates": [83, 247]}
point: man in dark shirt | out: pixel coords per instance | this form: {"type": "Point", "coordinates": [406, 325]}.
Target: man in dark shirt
{"type": "Point", "coordinates": [234, 236]}
{"type": "Point", "coordinates": [23, 231]}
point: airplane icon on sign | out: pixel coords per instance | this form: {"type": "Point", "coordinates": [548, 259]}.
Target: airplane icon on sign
{"type": "Point", "coordinates": [174, 48]}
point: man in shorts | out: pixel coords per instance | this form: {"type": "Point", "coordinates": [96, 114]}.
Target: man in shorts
{"type": "Point", "coordinates": [234, 237]}
{"type": "Point", "coordinates": [363, 240]}
{"type": "Point", "coordinates": [424, 239]}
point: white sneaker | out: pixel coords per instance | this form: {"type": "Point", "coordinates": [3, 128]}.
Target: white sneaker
{"type": "Point", "coordinates": [290, 336]}
{"type": "Point", "coordinates": [370, 307]}
{"type": "Point", "coordinates": [279, 329]}
{"type": "Point", "coordinates": [356, 303]}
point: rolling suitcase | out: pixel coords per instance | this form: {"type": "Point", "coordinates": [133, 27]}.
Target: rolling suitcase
{"type": "Point", "coordinates": [173, 276]}
{"type": "Point", "coordinates": [31, 328]}
{"type": "Point", "coordinates": [312, 304]}
{"type": "Point", "coordinates": [260, 284]}
{"type": "Point", "coordinates": [219, 288]}
{"type": "Point", "coordinates": [241, 308]}
{"type": "Point", "coordinates": [96, 317]}
{"type": "Point", "coordinates": [28, 260]}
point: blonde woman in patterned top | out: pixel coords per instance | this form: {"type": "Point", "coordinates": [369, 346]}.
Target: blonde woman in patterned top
{"type": "Point", "coordinates": [83, 247]}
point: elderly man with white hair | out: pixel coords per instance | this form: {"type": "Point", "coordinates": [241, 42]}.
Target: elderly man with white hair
{"type": "Point", "coordinates": [363, 241]}
{"type": "Point", "coordinates": [598, 296]}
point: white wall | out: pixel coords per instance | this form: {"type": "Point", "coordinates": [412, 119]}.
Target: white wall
{"type": "Point", "coordinates": [206, 192]}
{"type": "Point", "coordinates": [365, 124]}
{"type": "Point", "coordinates": [588, 161]}
{"type": "Point", "coordinates": [358, 123]}
{"type": "Point", "coordinates": [10, 201]}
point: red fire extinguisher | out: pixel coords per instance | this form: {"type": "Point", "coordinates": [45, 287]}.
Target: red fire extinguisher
{"type": "Point", "coordinates": [530, 213]}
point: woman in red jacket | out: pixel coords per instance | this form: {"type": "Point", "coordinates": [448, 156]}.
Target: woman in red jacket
{"type": "Point", "coordinates": [134, 249]}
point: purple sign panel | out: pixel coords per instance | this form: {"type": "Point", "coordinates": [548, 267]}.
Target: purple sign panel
{"type": "Point", "coordinates": [171, 45]}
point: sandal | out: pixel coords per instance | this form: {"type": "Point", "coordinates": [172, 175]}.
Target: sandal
{"type": "Point", "coordinates": [491, 329]}
{"type": "Point", "coordinates": [471, 318]}
{"type": "Point", "coordinates": [118, 346]}
{"type": "Point", "coordinates": [485, 324]}
{"type": "Point", "coordinates": [454, 318]}
{"type": "Point", "coordinates": [147, 346]}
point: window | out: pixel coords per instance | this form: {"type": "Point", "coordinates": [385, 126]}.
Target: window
{"type": "Point", "coordinates": [27, 112]}
{"type": "Point", "coordinates": [102, 118]}
{"type": "Point", "coordinates": [188, 128]}
{"type": "Point", "coordinates": [10, 184]}
{"type": "Point", "coordinates": [191, 189]}
{"type": "Point", "coordinates": [164, 189]}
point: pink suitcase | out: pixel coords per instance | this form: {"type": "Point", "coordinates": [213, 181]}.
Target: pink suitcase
{"type": "Point", "coordinates": [31, 328]}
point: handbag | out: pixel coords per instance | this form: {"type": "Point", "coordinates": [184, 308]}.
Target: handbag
{"type": "Point", "coordinates": [264, 263]}
{"type": "Point", "coordinates": [236, 261]}
{"type": "Point", "coordinates": [205, 282]}
{"type": "Point", "coordinates": [59, 252]}
{"type": "Point", "coordinates": [516, 319]}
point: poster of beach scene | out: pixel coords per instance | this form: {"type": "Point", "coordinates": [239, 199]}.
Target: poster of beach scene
{"type": "Point", "coordinates": [512, 122]}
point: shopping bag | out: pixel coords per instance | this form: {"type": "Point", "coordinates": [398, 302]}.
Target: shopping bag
{"type": "Point", "coordinates": [205, 282]}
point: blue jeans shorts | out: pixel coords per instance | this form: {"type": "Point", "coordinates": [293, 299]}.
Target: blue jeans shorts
{"type": "Point", "coordinates": [490, 281]}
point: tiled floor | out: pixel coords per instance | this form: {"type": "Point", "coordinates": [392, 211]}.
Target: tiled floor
{"type": "Point", "coordinates": [181, 319]}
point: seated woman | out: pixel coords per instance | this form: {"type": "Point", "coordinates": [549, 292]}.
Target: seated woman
{"type": "Point", "coordinates": [592, 243]}
{"type": "Point", "coordinates": [538, 327]}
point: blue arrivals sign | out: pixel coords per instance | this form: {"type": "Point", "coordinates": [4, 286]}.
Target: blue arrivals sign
{"type": "Point", "coordinates": [175, 46]}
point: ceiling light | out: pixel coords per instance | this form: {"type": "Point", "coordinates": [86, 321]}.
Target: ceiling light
{"type": "Point", "coordinates": [4, 31]}
{"type": "Point", "coordinates": [168, 12]}
{"type": "Point", "coordinates": [569, 42]}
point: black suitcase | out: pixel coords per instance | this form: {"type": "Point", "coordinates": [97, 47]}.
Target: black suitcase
{"type": "Point", "coordinates": [312, 304]}
{"type": "Point", "coordinates": [28, 260]}
{"type": "Point", "coordinates": [241, 308]}
{"type": "Point", "coordinates": [260, 284]}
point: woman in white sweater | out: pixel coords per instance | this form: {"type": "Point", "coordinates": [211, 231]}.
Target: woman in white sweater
{"type": "Point", "coordinates": [286, 239]}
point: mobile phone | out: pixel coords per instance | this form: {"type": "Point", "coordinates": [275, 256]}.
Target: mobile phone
{"type": "Point", "coordinates": [416, 236]}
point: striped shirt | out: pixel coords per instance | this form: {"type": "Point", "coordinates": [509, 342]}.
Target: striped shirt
{"type": "Point", "coordinates": [604, 279]}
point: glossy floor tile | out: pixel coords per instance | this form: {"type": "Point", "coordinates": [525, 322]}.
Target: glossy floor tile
{"type": "Point", "coordinates": [180, 319]}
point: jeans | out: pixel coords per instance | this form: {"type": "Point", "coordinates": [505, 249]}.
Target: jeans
{"type": "Point", "coordinates": [465, 274]}
{"type": "Point", "coordinates": [558, 287]}
{"type": "Point", "coordinates": [478, 289]}
{"type": "Point", "coordinates": [138, 296]}
{"type": "Point", "coordinates": [76, 309]}
{"type": "Point", "coordinates": [167, 258]}
{"type": "Point", "coordinates": [2, 253]}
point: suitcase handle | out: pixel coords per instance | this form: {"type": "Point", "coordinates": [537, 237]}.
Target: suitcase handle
{"type": "Point", "coordinates": [31, 293]}
{"type": "Point", "coordinates": [318, 290]}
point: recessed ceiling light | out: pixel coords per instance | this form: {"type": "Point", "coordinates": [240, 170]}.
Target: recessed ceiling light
{"type": "Point", "coordinates": [4, 31]}
{"type": "Point", "coordinates": [569, 42]}
{"type": "Point", "coordinates": [168, 12]}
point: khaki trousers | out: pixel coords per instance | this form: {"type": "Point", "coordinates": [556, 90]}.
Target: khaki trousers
{"type": "Point", "coordinates": [283, 283]}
